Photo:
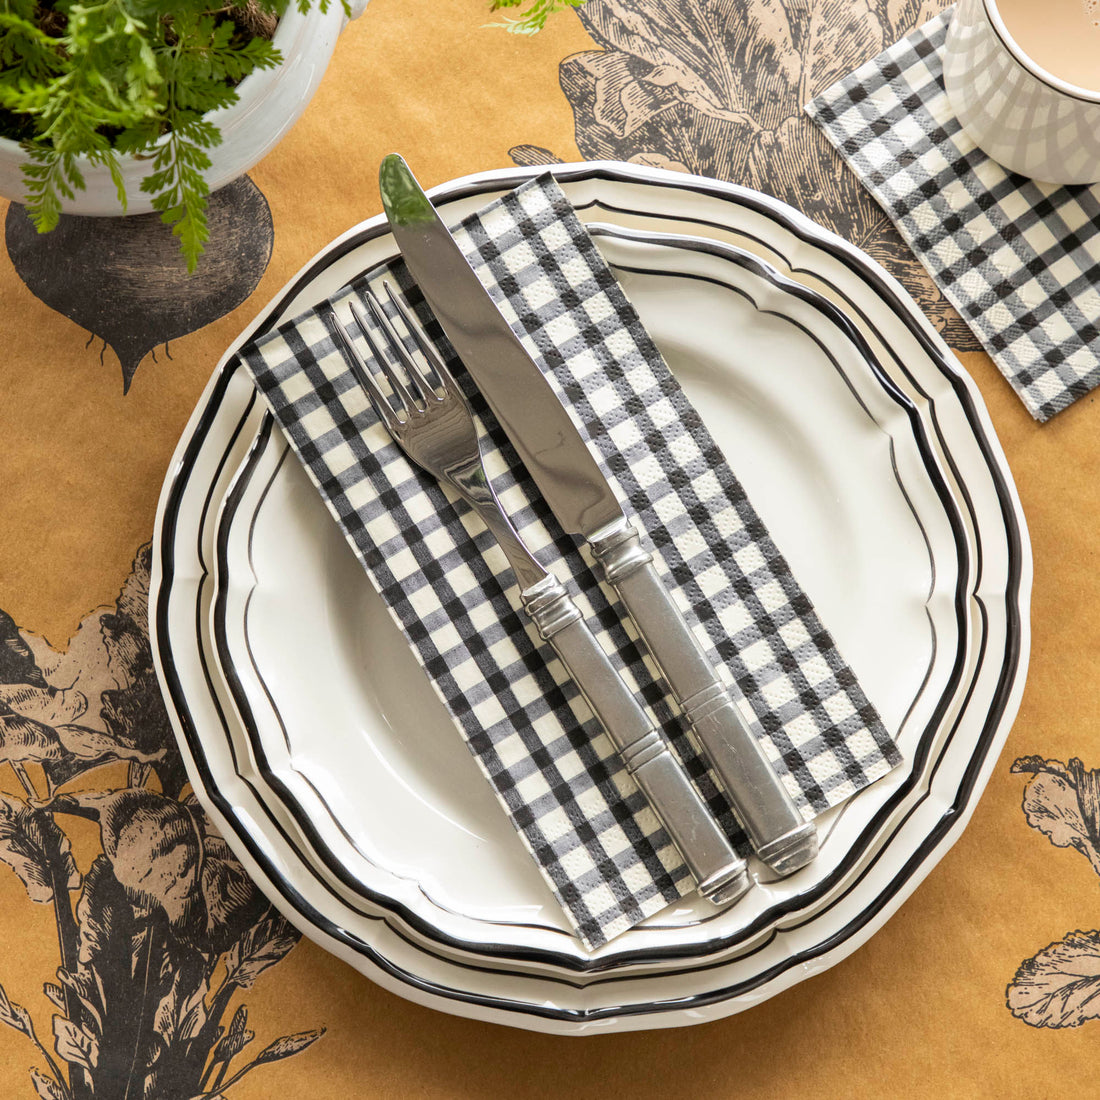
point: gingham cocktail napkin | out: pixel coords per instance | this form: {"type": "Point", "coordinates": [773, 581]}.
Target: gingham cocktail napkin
{"type": "Point", "coordinates": [448, 585]}
{"type": "Point", "coordinates": [1020, 260]}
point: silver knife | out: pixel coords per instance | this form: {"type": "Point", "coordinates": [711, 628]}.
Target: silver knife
{"type": "Point", "coordinates": [578, 494]}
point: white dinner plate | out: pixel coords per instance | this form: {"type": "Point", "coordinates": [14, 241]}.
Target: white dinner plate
{"type": "Point", "coordinates": [363, 763]}
{"type": "Point", "coordinates": [692, 966]}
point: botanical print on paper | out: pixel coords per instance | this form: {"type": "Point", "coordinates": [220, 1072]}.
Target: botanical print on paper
{"type": "Point", "coordinates": [717, 87]}
{"type": "Point", "coordinates": [124, 280]}
{"type": "Point", "coordinates": [162, 931]}
{"type": "Point", "coordinates": [1060, 986]}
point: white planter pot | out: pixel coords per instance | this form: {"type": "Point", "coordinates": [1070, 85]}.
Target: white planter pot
{"type": "Point", "coordinates": [270, 102]}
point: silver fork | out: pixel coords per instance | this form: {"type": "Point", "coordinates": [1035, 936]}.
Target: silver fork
{"type": "Point", "coordinates": [436, 429]}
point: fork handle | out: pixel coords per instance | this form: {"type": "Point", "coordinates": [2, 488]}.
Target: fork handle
{"type": "Point", "coordinates": [774, 825]}
{"type": "Point", "coordinates": [721, 874]}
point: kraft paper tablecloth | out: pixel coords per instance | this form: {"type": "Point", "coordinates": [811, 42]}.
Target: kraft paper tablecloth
{"type": "Point", "coordinates": [924, 1001]}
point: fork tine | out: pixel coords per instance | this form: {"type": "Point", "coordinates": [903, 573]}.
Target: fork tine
{"type": "Point", "coordinates": [401, 391]}
{"type": "Point", "coordinates": [393, 376]}
{"type": "Point", "coordinates": [413, 370]}
{"type": "Point", "coordinates": [363, 375]}
{"type": "Point", "coordinates": [427, 348]}
{"type": "Point", "coordinates": [425, 386]}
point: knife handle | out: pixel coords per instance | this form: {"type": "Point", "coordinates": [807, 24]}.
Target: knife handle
{"type": "Point", "coordinates": [766, 811]}
{"type": "Point", "coordinates": [721, 874]}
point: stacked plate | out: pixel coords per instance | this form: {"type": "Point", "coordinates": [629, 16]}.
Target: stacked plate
{"type": "Point", "coordinates": [319, 749]}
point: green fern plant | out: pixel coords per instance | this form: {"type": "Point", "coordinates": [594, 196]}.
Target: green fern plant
{"type": "Point", "coordinates": [534, 18]}
{"type": "Point", "coordinates": [100, 79]}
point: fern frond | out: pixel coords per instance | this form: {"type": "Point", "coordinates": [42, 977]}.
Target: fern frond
{"type": "Point", "coordinates": [534, 18]}
{"type": "Point", "coordinates": [51, 176]}
{"type": "Point", "coordinates": [180, 192]}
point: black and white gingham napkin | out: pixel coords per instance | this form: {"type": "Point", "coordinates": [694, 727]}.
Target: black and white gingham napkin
{"type": "Point", "coordinates": [448, 585]}
{"type": "Point", "coordinates": [1019, 259]}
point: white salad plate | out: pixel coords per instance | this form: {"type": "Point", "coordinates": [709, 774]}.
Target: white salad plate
{"type": "Point", "coordinates": [320, 751]}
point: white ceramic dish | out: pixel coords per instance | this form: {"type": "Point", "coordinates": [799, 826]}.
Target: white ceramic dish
{"type": "Point", "coordinates": [271, 100]}
{"type": "Point", "coordinates": [362, 763]}
{"type": "Point", "coordinates": [715, 976]}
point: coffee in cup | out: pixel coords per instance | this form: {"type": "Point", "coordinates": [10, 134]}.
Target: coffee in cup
{"type": "Point", "coordinates": [1060, 36]}
{"type": "Point", "coordinates": [1023, 79]}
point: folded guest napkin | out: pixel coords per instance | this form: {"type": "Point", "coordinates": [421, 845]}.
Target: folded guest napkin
{"type": "Point", "coordinates": [599, 845]}
{"type": "Point", "coordinates": [1019, 259]}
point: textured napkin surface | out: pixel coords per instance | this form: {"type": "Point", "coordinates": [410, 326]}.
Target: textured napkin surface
{"type": "Point", "coordinates": [1019, 259]}
{"type": "Point", "coordinates": [599, 845]}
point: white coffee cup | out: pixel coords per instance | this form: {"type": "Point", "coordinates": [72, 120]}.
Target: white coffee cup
{"type": "Point", "coordinates": [1023, 116]}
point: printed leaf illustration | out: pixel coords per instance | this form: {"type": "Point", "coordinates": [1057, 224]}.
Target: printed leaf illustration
{"type": "Point", "coordinates": [22, 740]}
{"type": "Point", "coordinates": [17, 663]}
{"type": "Point", "coordinates": [14, 1015]}
{"type": "Point", "coordinates": [124, 280]}
{"type": "Point", "coordinates": [134, 712]}
{"type": "Point", "coordinates": [109, 662]}
{"type": "Point", "coordinates": [262, 946]}
{"type": "Point", "coordinates": [1059, 987]}
{"type": "Point", "coordinates": [235, 1039]}
{"type": "Point", "coordinates": [288, 1045]}
{"type": "Point", "coordinates": [46, 1087]}
{"type": "Point", "coordinates": [1063, 802]}
{"type": "Point", "coordinates": [81, 665]}
{"type": "Point", "coordinates": [88, 744]}
{"type": "Point", "coordinates": [718, 88]}
{"type": "Point", "coordinates": [74, 1044]}
{"type": "Point", "coordinates": [532, 154]}
{"type": "Point", "coordinates": [182, 1012]}
{"type": "Point", "coordinates": [50, 706]}
{"type": "Point", "coordinates": [285, 1047]}
{"type": "Point", "coordinates": [36, 849]}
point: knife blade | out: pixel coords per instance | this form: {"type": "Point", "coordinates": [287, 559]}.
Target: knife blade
{"type": "Point", "coordinates": [579, 495]}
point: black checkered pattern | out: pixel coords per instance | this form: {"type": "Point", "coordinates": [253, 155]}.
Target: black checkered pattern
{"type": "Point", "coordinates": [1019, 260]}
{"type": "Point", "coordinates": [604, 852]}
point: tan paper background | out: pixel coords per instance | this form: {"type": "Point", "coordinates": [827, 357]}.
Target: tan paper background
{"type": "Point", "coordinates": [918, 1011]}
